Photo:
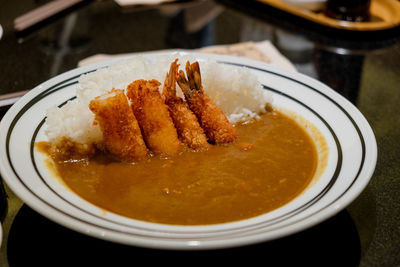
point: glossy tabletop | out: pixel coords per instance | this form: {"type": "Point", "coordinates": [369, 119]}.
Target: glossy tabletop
{"type": "Point", "coordinates": [362, 66]}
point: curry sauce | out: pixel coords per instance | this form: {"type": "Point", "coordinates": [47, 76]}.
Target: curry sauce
{"type": "Point", "coordinates": [272, 161]}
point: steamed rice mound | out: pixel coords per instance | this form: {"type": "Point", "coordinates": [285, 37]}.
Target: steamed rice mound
{"type": "Point", "coordinates": [235, 90]}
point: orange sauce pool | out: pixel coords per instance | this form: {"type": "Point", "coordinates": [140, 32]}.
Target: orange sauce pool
{"type": "Point", "coordinates": [272, 162]}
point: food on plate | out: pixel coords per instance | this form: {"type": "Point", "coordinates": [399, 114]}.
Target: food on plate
{"type": "Point", "coordinates": [152, 113]}
{"type": "Point", "coordinates": [272, 161]}
{"type": "Point", "coordinates": [185, 121]}
{"type": "Point", "coordinates": [214, 122]}
{"type": "Point", "coordinates": [217, 153]}
{"type": "Point", "coordinates": [71, 127]}
{"type": "Point", "coordinates": [121, 133]}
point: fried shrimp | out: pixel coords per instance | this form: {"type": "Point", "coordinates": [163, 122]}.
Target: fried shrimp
{"type": "Point", "coordinates": [214, 122]}
{"type": "Point", "coordinates": [121, 133]}
{"type": "Point", "coordinates": [186, 123]}
{"type": "Point", "coordinates": [152, 113]}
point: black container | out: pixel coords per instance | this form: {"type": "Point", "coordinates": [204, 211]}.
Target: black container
{"type": "Point", "coordinates": [348, 10]}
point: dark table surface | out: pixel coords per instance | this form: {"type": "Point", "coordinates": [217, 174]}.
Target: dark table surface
{"type": "Point", "coordinates": [363, 67]}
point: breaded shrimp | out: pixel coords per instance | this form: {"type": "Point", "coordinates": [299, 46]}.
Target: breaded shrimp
{"type": "Point", "coordinates": [121, 132]}
{"type": "Point", "coordinates": [214, 122]}
{"type": "Point", "coordinates": [152, 114]}
{"type": "Point", "coordinates": [186, 123]}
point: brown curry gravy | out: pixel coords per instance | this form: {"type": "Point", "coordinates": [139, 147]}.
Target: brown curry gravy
{"type": "Point", "coordinates": [272, 162]}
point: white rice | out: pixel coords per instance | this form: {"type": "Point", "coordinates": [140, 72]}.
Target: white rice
{"type": "Point", "coordinates": [235, 90]}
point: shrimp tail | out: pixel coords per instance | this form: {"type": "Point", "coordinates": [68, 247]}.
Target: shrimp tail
{"type": "Point", "coordinates": [169, 90]}
{"type": "Point", "coordinates": [212, 119]}
{"type": "Point", "coordinates": [194, 76]}
{"type": "Point", "coordinates": [185, 121]}
{"type": "Point", "coordinates": [184, 84]}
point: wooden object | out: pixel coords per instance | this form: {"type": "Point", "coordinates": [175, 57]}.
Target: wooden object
{"type": "Point", "coordinates": [385, 14]}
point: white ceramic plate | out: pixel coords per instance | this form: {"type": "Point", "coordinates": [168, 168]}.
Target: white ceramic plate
{"type": "Point", "coordinates": [351, 162]}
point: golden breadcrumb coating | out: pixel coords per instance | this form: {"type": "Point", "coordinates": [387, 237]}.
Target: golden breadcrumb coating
{"type": "Point", "coordinates": [121, 132]}
{"type": "Point", "coordinates": [153, 116]}
{"type": "Point", "coordinates": [214, 122]}
{"type": "Point", "coordinates": [186, 123]}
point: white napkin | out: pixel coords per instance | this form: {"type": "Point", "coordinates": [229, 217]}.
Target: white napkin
{"type": "Point", "coordinates": [262, 51]}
